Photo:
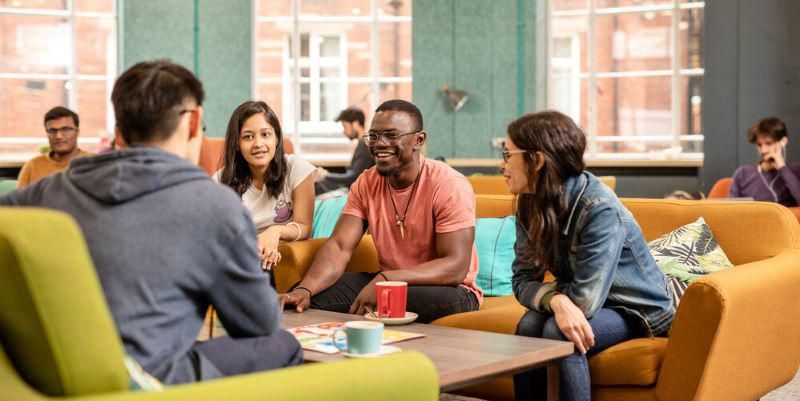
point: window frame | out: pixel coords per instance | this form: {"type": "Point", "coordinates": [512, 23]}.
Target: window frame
{"type": "Point", "coordinates": [675, 72]}
{"type": "Point", "coordinates": [290, 80]}
{"type": "Point", "coordinates": [72, 77]}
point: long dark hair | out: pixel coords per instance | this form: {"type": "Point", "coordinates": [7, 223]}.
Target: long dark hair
{"type": "Point", "coordinates": [544, 209]}
{"type": "Point", "coordinates": [235, 170]}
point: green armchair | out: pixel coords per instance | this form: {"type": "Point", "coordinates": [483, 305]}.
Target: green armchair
{"type": "Point", "coordinates": [57, 337]}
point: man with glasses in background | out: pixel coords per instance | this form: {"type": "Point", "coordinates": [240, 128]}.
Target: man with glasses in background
{"type": "Point", "coordinates": [62, 127]}
{"type": "Point", "coordinates": [421, 214]}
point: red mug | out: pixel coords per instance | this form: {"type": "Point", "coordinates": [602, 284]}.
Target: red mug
{"type": "Point", "coordinates": [391, 297]}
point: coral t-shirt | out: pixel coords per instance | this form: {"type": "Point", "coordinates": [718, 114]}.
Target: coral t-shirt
{"type": "Point", "coordinates": [443, 202]}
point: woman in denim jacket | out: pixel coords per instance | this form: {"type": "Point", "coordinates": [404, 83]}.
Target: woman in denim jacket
{"type": "Point", "coordinates": [608, 288]}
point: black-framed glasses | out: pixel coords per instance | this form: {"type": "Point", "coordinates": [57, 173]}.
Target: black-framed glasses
{"type": "Point", "coordinates": [507, 153]}
{"type": "Point", "coordinates": [391, 137]}
{"type": "Point", "coordinates": [65, 130]}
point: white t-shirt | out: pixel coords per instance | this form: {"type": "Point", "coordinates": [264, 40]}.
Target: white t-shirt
{"type": "Point", "coordinates": [267, 211]}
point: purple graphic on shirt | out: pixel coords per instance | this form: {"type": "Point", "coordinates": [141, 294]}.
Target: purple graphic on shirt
{"type": "Point", "coordinates": [283, 211]}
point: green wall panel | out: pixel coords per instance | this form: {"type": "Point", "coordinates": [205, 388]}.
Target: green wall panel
{"type": "Point", "coordinates": [433, 47]}
{"type": "Point", "coordinates": [472, 45]}
{"type": "Point", "coordinates": [225, 59]}
{"type": "Point", "coordinates": [154, 29]}
{"type": "Point", "coordinates": [472, 67]}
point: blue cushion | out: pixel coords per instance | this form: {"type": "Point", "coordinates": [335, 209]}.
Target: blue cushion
{"type": "Point", "coordinates": [326, 214]}
{"type": "Point", "coordinates": [7, 186]}
{"type": "Point", "coordinates": [494, 240]}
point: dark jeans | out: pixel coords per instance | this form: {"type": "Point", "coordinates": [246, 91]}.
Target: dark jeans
{"type": "Point", "coordinates": [235, 356]}
{"type": "Point", "coordinates": [430, 302]}
{"type": "Point", "coordinates": [609, 327]}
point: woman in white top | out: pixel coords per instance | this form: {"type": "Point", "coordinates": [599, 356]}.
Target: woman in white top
{"type": "Point", "coordinates": [277, 189]}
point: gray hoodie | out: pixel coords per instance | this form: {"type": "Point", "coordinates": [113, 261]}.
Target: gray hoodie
{"type": "Point", "coordinates": [166, 242]}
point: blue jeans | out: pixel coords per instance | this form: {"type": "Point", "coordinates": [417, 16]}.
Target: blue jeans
{"type": "Point", "coordinates": [609, 327]}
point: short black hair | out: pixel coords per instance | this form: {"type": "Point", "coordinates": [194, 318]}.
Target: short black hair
{"type": "Point", "coordinates": [769, 126]}
{"type": "Point", "coordinates": [148, 99]}
{"type": "Point", "coordinates": [351, 114]}
{"type": "Point", "coordinates": [405, 107]}
{"type": "Point", "coordinates": [60, 112]}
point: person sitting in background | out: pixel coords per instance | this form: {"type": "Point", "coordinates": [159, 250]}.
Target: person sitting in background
{"type": "Point", "coordinates": [352, 120]}
{"type": "Point", "coordinates": [771, 179]}
{"type": "Point", "coordinates": [166, 241]}
{"type": "Point", "coordinates": [421, 214]}
{"type": "Point", "coordinates": [608, 288]}
{"type": "Point", "coordinates": [275, 187]}
{"type": "Point", "coordinates": [62, 126]}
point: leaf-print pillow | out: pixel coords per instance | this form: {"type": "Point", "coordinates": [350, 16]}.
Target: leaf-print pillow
{"type": "Point", "coordinates": [687, 254]}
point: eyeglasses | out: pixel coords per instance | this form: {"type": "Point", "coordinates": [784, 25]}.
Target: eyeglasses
{"type": "Point", "coordinates": [55, 131]}
{"type": "Point", "coordinates": [507, 153]}
{"type": "Point", "coordinates": [391, 137]}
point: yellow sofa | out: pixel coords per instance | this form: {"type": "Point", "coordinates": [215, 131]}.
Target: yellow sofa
{"type": "Point", "coordinates": [496, 184]}
{"type": "Point", "coordinates": [735, 333]}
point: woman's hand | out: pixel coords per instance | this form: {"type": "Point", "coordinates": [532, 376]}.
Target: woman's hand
{"type": "Point", "coordinates": [572, 322]}
{"type": "Point", "coordinates": [268, 242]}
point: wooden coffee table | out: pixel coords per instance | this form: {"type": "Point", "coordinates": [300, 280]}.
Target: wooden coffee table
{"type": "Point", "coordinates": [462, 357]}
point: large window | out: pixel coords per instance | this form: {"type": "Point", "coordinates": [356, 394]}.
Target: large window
{"type": "Point", "coordinates": [630, 72]}
{"type": "Point", "coordinates": [317, 57]}
{"type": "Point", "coordinates": [55, 53]}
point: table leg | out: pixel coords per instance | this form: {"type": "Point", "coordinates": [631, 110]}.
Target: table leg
{"type": "Point", "coordinates": [552, 382]}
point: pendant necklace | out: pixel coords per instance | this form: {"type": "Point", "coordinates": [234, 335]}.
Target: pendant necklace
{"type": "Point", "coordinates": [400, 220]}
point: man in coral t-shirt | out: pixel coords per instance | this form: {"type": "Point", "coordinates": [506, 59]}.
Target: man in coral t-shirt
{"type": "Point", "coordinates": [421, 214]}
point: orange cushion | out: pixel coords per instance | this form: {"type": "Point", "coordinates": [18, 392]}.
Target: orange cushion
{"type": "Point", "coordinates": [634, 362]}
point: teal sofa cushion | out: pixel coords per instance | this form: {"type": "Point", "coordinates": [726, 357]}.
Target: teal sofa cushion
{"type": "Point", "coordinates": [494, 240]}
{"type": "Point", "coordinates": [326, 214]}
{"type": "Point", "coordinates": [7, 186]}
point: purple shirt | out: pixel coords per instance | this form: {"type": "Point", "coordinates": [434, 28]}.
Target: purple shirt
{"type": "Point", "coordinates": [781, 186]}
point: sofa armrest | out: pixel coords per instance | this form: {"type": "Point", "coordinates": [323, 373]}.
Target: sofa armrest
{"type": "Point", "coordinates": [296, 258]}
{"type": "Point", "coordinates": [735, 334]}
{"type": "Point", "coordinates": [407, 376]}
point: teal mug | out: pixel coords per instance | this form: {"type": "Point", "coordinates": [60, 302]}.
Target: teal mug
{"type": "Point", "coordinates": [360, 337]}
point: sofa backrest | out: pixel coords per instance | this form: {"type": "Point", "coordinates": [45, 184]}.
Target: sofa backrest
{"type": "Point", "coordinates": [55, 326]}
{"type": "Point", "coordinates": [496, 184]}
{"type": "Point", "coordinates": [746, 231]}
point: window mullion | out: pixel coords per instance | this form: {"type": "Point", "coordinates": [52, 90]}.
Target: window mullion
{"type": "Point", "coordinates": [314, 43]}
{"type": "Point", "coordinates": [72, 69]}
{"type": "Point", "coordinates": [592, 87]}
{"type": "Point", "coordinates": [296, 75]}
{"type": "Point", "coordinates": [374, 66]}
{"type": "Point", "coordinates": [676, 77]}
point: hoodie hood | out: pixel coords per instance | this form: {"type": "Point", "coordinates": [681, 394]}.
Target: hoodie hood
{"type": "Point", "coordinates": [128, 173]}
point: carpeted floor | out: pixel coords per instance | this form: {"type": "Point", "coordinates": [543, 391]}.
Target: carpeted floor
{"type": "Point", "coordinates": [789, 392]}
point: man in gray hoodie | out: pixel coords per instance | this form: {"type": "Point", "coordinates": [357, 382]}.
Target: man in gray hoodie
{"type": "Point", "coordinates": [167, 241]}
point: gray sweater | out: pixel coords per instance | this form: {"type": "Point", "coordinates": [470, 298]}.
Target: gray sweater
{"type": "Point", "coordinates": [166, 242]}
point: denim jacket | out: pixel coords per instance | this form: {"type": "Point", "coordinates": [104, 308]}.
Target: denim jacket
{"type": "Point", "coordinates": [604, 261]}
